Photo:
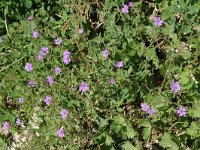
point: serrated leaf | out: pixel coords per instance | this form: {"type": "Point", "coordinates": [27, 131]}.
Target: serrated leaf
{"type": "Point", "coordinates": [186, 55]}
{"type": "Point", "coordinates": [168, 143]}
{"type": "Point", "coordinates": [130, 132]}
{"type": "Point", "coordinates": [109, 140]}
{"type": "Point", "coordinates": [127, 145]}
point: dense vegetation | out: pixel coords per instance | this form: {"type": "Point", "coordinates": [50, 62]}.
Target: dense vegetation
{"type": "Point", "coordinates": [79, 74]}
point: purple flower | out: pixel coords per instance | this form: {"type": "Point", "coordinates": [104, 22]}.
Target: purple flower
{"type": "Point", "coordinates": [83, 87]}
{"type": "Point", "coordinates": [124, 10]}
{"type": "Point", "coordinates": [175, 87]}
{"type": "Point", "coordinates": [151, 111]}
{"type": "Point", "coordinates": [145, 107]}
{"type": "Point", "coordinates": [30, 18]}
{"type": "Point", "coordinates": [66, 57]}
{"type": "Point", "coordinates": [64, 113]}
{"type": "Point", "coordinates": [44, 51]}
{"type": "Point", "coordinates": [47, 100]}
{"type": "Point", "coordinates": [67, 53]}
{"type": "Point", "coordinates": [130, 4]}
{"type": "Point", "coordinates": [60, 133]}
{"type": "Point", "coordinates": [31, 83]}
{"type": "Point", "coordinates": [181, 111]}
{"type": "Point", "coordinates": [40, 58]}
{"type": "Point", "coordinates": [118, 64]}
{"type": "Point", "coordinates": [28, 67]}
{"type": "Point", "coordinates": [158, 21]}
{"type": "Point", "coordinates": [57, 70]}
{"type": "Point", "coordinates": [105, 53]}
{"type": "Point", "coordinates": [35, 34]}
{"type": "Point", "coordinates": [112, 80]}
{"type": "Point", "coordinates": [58, 41]}
{"type": "Point", "coordinates": [21, 100]}
{"type": "Point", "coordinates": [18, 122]}
{"type": "Point", "coordinates": [50, 80]}
{"type": "Point", "coordinates": [1, 40]}
{"type": "Point", "coordinates": [80, 31]}
{"type": "Point", "coordinates": [6, 127]}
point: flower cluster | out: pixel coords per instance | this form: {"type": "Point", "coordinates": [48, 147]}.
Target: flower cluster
{"type": "Point", "coordinates": [35, 34]}
{"type": "Point", "coordinates": [119, 64]}
{"type": "Point", "coordinates": [58, 41]}
{"type": "Point", "coordinates": [6, 127]}
{"type": "Point", "coordinates": [28, 67]}
{"type": "Point", "coordinates": [181, 111]}
{"type": "Point", "coordinates": [57, 70]}
{"type": "Point", "coordinates": [158, 21]}
{"type": "Point", "coordinates": [47, 100]}
{"type": "Point", "coordinates": [125, 8]}
{"type": "Point", "coordinates": [146, 108]}
{"type": "Point", "coordinates": [175, 87]}
{"type": "Point", "coordinates": [83, 87]}
{"type": "Point", "coordinates": [50, 80]}
{"type": "Point", "coordinates": [43, 52]}
{"type": "Point", "coordinates": [80, 30]}
{"type": "Point", "coordinates": [105, 53]}
{"type": "Point", "coordinates": [31, 83]}
{"type": "Point", "coordinates": [66, 57]}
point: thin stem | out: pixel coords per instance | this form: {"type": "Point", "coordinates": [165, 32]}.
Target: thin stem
{"type": "Point", "coordinates": [11, 64]}
{"type": "Point", "coordinates": [7, 28]}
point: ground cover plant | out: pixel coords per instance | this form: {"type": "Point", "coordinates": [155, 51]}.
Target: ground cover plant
{"type": "Point", "coordinates": [99, 74]}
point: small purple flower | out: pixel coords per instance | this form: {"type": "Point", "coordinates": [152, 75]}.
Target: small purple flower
{"type": "Point", "coordinates": [21, 100]}
{"type": "Point", "coordinates": [145, 107]}
{"type": "Point", "coordinates": [80, 31]}
{"type": "Point", "coordinates": [44, 51]}
{"type": "Point", "coordinates": [1, 40]}
{"type": "Point", "coordinates": [6, 127]}
{"type": "Point", "coordinates": [58, 41]}
{"type": "Point", "coordinates": [181, 111]}
{"type": "Point", "coordinates": [40, 58]}
{"type": "Point", "coordinates": [47, 100]}
{"type": "Point", "coordinates": [57, 70]}
{"type": "Point", "coordinates": [83, 87]}
{"type": "Point", "coordinates": [35, 34]}
{"type": "Point", "coordinates": [130, 4]}
{"type": "Point", "coordinates": [66, 60]}
{"type": "Point", "coordinates": [30, 18]}
{"type": "Point", "coordinates": [175, 87]}
{"type": "Point", "coordinates": [119, 64]}
{"type": "Point", "coordinates": [18, 122]}
{"type": "Point", "coordinates": [124, 10]}
{"type": "Point", "coordinates": [158, 21]}
{"type": "Point", "coordinates": [66, 57]}
{"type": "Point", "coordinates": [67, 53]}
{"type": "Point", "coordinates": [105, 53]}
{"type": "Point", "coordinates": [112, 80]}
{"type": "Point", "coordinates": [151, 111]}
{"type": "Point", "coordinates": [28, 67]}
{"type": "Point", "coordinates": [64, 113]}
{"type": "Point", "coordinates": [60, 133]}
{"type": "Point", "coordinates": [50, 80]}
{"type": "Point", "coordinates": [31, 83]}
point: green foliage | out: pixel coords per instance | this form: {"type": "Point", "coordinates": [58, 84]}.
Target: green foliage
{"type": "Point", "coordinates": [108, 115]}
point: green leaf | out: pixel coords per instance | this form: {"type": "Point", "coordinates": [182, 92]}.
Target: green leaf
{"type": "Point", "coordinates": [130, 132]}
{"type": "Point", "coordinates": [146, 133]}
{"type": "Point", "coordinates": [109, 140]}
{"type": "Point", "coordinates": [127, 145]}
{"type": "Point", "coordinates": [186, 55]}
{"type": "Point", "coordinates": [193, 130]}
{"type": "Point", "coordinates": [28, 4]}
{"type": "Point", "coordinates": [168, 143]}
